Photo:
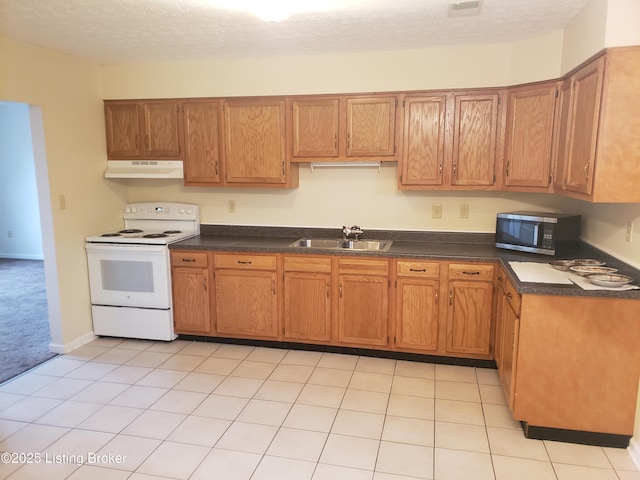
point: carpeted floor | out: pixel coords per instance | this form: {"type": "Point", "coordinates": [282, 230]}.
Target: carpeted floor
{"type": "Point", "coordinates": [24, 322]}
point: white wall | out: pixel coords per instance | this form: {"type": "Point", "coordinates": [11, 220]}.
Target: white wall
{"type": "Point", "coordinates": [20, 234]}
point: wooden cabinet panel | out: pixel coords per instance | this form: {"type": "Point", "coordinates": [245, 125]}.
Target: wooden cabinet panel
{"type": "Point", "coordinates": [471, 271]}
{"type": "Point", "coordinates": [162, 129]}
{"type": "Point", "coordinates": [418, 269]}
{"type": "Point", "coordinates": [417, 314]}
{"type": "Point", "coordinates": [469, 316]}
{"type": "Point", "coordinates": [254, 145]}
{"type": "Point", "coordinates": [529, 136]}
{"type": "Point", "coordinates": [475, 131]}
{"type": "Point", "coordinates": [371, 126]}
{"type": "Point", "coordinates": [245, 261]}
{"type": "Point", "coordinates": [363, 310]}
{"type": "Point", "coordinates": [202, 143]}
{"type": "Point", "coordinates": [315, 127]}
{"type": "Point", "coordinates": [562, 132]}
{"type": "Point", "coordinates": [190, 280]}
{"type": "Point", "coordinates": [123, 129]}
{"type": "Point", "coordinates": [423, 140]}
{"type": "Point", "coordinates": [582, 128]}
{"type": "Point", "coordinates": [246, 303]}
{"type": "Point", "coordinates": [307, 306]}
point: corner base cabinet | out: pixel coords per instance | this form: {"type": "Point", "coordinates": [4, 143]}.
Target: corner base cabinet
{"type": "Point", "coordinates": [191, 285]}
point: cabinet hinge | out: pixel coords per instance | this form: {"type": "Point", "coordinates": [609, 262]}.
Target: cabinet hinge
{"type": "Point", "coordinates": [498, 99]}
{"type": "Point", "coordinates": [404, 102]}
{"type": "Point", "coordinates": [396, 103]}
{"type": "Point", "coordinates": [550, 178]}
{"type": "Point", "coordinates": [394, 340]}
{"type": "Point", "coordinates": [557, 93]}
{"type": "Point", "coordinates": [389, 283]}
{"type": "Point", "coordinates": [494, 178]}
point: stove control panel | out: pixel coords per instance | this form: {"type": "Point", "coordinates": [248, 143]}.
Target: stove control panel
{"type": "Point", "coordinates": [148, 211]}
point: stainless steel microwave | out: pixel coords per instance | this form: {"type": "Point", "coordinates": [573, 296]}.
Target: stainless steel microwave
{"type": "Point", "coordinates": [537, 232]}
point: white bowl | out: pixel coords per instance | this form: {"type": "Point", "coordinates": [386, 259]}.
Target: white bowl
{"type": "Point", "coordinates": [586, 270]}
{"type": "Point", "coordinates": [612, 281]}
{"type": "Point", "coordinates": [589, 262]}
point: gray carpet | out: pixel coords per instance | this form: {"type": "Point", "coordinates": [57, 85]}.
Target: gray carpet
{"type": "Point", "coordinates": [24, 322]}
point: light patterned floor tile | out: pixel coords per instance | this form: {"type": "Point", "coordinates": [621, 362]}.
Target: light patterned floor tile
{"type": "Point", "coordinates": [221, 406]}
{"type": "Point", "coordinates": [247, 437]}
{"type": "Point", "coordinates": [199, 382]}
{"type": "Point", "coordinates": [415, 369]}
{"type": "Point", "coordinates": [111, 418]}
{"type": "Point", "coordinates": [126, 452]}
{"type": "Point", "coordinates": [341, 450]}
{"type": "Point", "coordinates": [338, 361]}
{"type": "Point", "coordinates": [358, 424]}
{"type": "Point", "coordinates": [412, 407]}
{"type": "Point", "coordinates": [310, 417]}
{"type": "Point", "coordinates": [461, 465]}
{"type": "Point", "coordinates": [574, 454]}
{"type": "Point", "coordinates": [375, 382]}
{"type": "Point", "coordinates": [268, 355]}
{"type": "Point", "coordinates": [459, 412]}
{"type": "Point", "coordinates": [456, 373]}
{"type": "Point", "coordinates": [577, 472]}
{"type": "Point", "coordinates": [464, 392]}
{"type": "Point", "coordinates": [174, 460]}
{"type": "Point", "coordinates": [404, 459]}
{"type": "Point", "coordinates": [297, 444]}
{"type": "Point", "coordinates": [276, 468]}
{"type": "Point", "coordinates": [460, 436]}
{"type": "Point", "coordinates": [279, 391]}
{"type": "Point", "coordinates": [180, 361]}
{"type": "Point", "coordinates": [151, 424]}
{"type": "Point", "coordinates": [385, 366]}
{"type": "Point", "coordinates": [235, 465]}
{"type": "Point", "coordinates": [265, 412]}
{"type": "Point", "coordinates": [334, 472]}
{"type": "Point", "coordinates": [179, 401]}
{"type": "Point", "coordinates": [510, 468]}
{"type": "Point", "coordinates": [365, 401]}
{"type": "Point", "coordinates": [330, 377]}
{"type": "Point", "coordinates": [200, 431]}
{"type": "Point", "coordinates": [302, 357]}
{"type": "Point", "coordinates": [512, 443]}
{"type": "Point", "coordinates": [321, 396]}
{"type": "Point", "coordinates": [408, 430]}
{"type": "Point", "coordinates": [416, 387]}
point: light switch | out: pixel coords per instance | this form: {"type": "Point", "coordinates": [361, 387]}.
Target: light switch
{"type": "Point", "coordinates": [436, 210]}
{"type": "Point", "coordinates": [464, 210]}
{"type": "Point", "coordinates": [62, 202]}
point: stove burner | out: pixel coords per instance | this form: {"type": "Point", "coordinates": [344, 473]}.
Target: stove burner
{"type": "Point", "coordinates": [154, 235]}
{"type": "Point", "coordinates": [169, 232]}
{"type": "Point", "coordinates": [110, 235]}
{"type": "Point", "coordinates": [130, 230]}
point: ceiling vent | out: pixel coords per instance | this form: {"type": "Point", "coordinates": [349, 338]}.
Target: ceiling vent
{"type": "Point", "coordinates": [465, 9]}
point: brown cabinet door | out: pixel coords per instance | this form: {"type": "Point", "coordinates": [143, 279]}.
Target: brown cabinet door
{"type": "Point", "coordinates": [201, 143]}
{"type": "Point", "coordinates": [363, 309]}
{"type": "Point", "coordinates": [529, 136]}
{"type": "Point", "coordinates": [562, 135]}
{"type": "Point", "coordinates": [417, 314]}
{"type": "Point", "coordinates": [162, 130]}
{"type": "Point", "coordinates": [371, 127]}
{"type": "Point", "coordinates": [423, 141]}
{"type": "Point", "coordinates": [191, 300]}
{"type": "Point", "coordinates": [307, 306]}
{"type": "Point", "coordinates": [469, 317]}
{"type": "Point", "coordinates": [475, 129]}
{"type": "Point", "coordinates": [254, 141]}
{"type": "Point", "coordinates": [315, 128]}
{"type": "Point", "coordinates": [123, 130]}
{"type": "Point", "coordinates": [586, 86]}
{"type": "Point", "coordinates": [246, 303]}
{"type": "Point", "coordinates": [510, 329]}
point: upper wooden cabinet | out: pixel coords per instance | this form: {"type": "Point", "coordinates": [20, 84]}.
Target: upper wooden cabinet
{"type": "Point", "coordinates": [450, 140]}
{"type": "Point", "coordinates": [202, 160]}
{"type": "Point", "coordinates": [254, 143]}
{"type": "Point", "coordinates": [529, 137]}
{"type": "Point", "coordinates": [423, 156]}
{"type": "Point", "coordinates": [598, 149]}
{"type": "Point", "coordinates": [343, 128]}
{"type": "Point", "coordinates": [143, 129]}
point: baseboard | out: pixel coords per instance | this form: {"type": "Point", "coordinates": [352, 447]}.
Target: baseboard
{"type": "Point", "coordinates": [634, 451]}
{"type": "Point", "coordinates": [21, 256]}
{"type": "Point", "coordinates": [71, 346]}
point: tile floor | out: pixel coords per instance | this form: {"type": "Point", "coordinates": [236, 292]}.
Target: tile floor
{"type": "Point", "coordinates": [129, 409]}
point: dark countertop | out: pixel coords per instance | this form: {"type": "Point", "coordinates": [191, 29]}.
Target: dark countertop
{"type": "Point", "coordinates": [407, 244]}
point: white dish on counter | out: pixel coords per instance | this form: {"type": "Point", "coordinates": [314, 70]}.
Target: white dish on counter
{"type": "Point", "coordinates": [588, 262]}
{"type": "Point", "coordinates": [610, 280]}
{"type": "Point", "coordinates": [585, 270]}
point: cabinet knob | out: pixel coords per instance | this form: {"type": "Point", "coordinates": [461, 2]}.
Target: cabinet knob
{"type": "Point", "coordinates": [451, 297]}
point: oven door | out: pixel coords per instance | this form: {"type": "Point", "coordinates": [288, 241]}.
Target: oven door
{"type": "Point", "coordinates": [129, 275]}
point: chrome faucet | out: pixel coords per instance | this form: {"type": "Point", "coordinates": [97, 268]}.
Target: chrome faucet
{"type": "Point", "coordinates": [356, 231]}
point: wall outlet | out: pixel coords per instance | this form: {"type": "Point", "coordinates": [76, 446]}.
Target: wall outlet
{"type": "Point", "coordinates": [464, 210]}
{"type": "Point", "coordinates": [436, 210]}
{"type": "Point", "coordinates": [232, 206]}
{"type": "Point", "coordinates": [629, 235]}
{"type": "Point", "coordinates": [62, 202]}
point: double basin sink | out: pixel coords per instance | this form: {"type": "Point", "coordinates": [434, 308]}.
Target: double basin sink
{"type": "Point", "coordinates": [341, 244]}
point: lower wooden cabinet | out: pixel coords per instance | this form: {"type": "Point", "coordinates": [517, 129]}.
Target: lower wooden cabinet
{"type": "Point", "coordinates": [191, 281]}
{"type": "Point", "coordinates": [307, 299]}
{"type": "Point", "coordinates": [470, 309]}
{"type": "Point", "coordinates": [363, 302]}
{"type": "Point", "coordinates": [417, 305]}
{"type": "Point", "coordinates": [246, 295]}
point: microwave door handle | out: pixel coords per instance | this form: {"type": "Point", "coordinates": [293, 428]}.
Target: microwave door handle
{"type": "Point", "coordinates": [536, 235]}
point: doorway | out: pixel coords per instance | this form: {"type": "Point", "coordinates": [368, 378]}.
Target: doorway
{"type": "Point", "coordinates": [28, 296]}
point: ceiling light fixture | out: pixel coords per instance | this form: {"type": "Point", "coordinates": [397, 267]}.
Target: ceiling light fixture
{"type": "Point", "coordinates": [463, 9]}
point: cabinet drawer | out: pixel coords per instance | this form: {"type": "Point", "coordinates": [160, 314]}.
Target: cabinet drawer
{"type": "Point", "coordinates": [470, 271]}
{"type": "Point", "coordinates": [189, 259]}
{"type": "Point", "coordinates": [249, 262]}
{"type": "Point", "coordinates": [418, 269]}
{"type": "Point", "coordinates": [363, 266]}
{"type": "Point", "coordinates": [513, 297]}
{"type": "Point", "coordinates": [307, 264]}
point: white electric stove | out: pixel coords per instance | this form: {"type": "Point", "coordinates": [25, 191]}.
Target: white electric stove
{"type": "Point", "coordinates": [130, 270]}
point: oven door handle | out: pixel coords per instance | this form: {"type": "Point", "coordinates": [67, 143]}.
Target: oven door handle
{"type": "Point", "coordinates": [120, 247]}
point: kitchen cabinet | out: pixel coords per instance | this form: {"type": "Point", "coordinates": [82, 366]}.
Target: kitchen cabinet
{"type": "Point", "coordinates": [343, 128]}
{"type": "Point", "coordinates": [363, 302]}
{"type": "Point", "coordinates": [254, 144]}
{"type": "Point", "coordinates": [598, 146]}
{"type": "Point", "coordinates": [246, 295]}
{"type": "Point", "coordinates": [423, 154]}
{"type": "Point", "coordinates": [475, 137]}
{"type": "Point", "coordinates": [470, 309]}
{"type": "Point", "coordinates": [506, 335]}
{"type": "Point", "coordinates": [529, 137]}
{"type": "Point", "coordinates": [202, 160]}
{"type": "Point", "coordinates": [307, 299]}
{"type": "Point", "coordinates": [143, 129]}
{"type": "Point", "coordinates": [417, 305]}
{"type": "Point", "coordinates": [190, 283]}
{"type": "Point", "coordinates": [578, 364]}
{"type": "Point", "coordinates": [450, 140]}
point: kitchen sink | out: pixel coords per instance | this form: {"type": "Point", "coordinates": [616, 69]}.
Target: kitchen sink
{"type": "Point", "coordinates": [339, 244]}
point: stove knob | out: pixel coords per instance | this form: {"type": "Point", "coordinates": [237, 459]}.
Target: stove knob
{"type": "Point", "coordinates": [188, 211]}
{"type": "Point", "coordinates": [127, 210]}
{"type": "Point", "coordinates": [134, 209]}
{"type": "Point", "coordinates": [182, 211]}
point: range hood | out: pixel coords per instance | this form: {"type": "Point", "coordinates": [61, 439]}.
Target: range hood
{"type": "Point", "coordinates": [144, 169]}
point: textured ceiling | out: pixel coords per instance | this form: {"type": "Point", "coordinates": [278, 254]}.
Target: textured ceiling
{"type": "Point", "coordinates": [154, 30]}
